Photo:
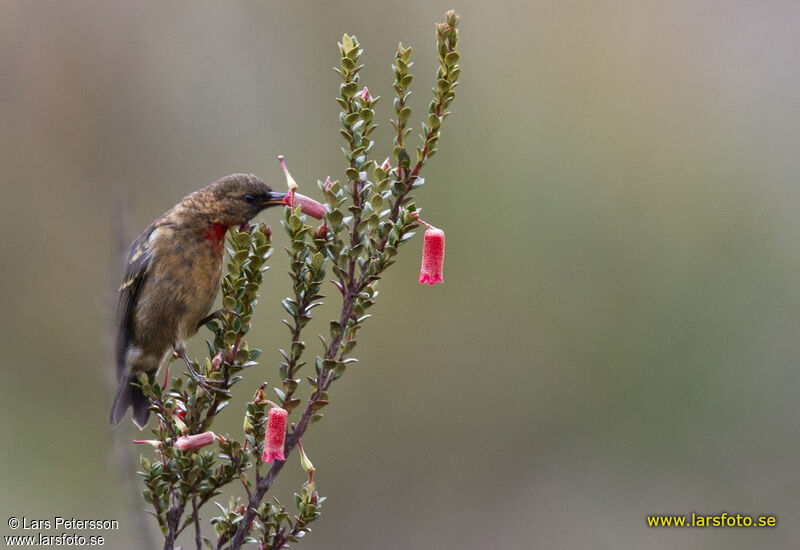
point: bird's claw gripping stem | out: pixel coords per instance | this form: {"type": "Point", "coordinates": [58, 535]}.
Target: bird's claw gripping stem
{"type": "Point", "coordinates": [205, 384]}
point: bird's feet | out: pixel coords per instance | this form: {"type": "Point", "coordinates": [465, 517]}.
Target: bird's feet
{"type": "Point", "coordinates": [208, 385]}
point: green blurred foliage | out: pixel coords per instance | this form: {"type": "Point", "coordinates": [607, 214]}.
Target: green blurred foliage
{"type": "Point", "coordinates": [616, 332]}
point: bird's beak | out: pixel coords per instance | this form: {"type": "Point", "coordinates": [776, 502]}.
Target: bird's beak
{"type": "Point", "coordinates": [274, 198]}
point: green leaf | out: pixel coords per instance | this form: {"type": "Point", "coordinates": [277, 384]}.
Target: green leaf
{"type": "Point", "coordinates": [335, 217]}
{"type": "Point", "coordinates": [242, 239]}
{"type": "Point", "coordinates": [403, 159]}
{"type": "Point", "coordinates": [229, 302]}
{"type": "Point", "coordinates": [317, 405]}
{"type": "Point", "coordinates": [294, 223]}
{"type": "Point", "coordinates": [337, 330]}
{"type": "Point", "coordinates": [451, 58]}
{"type": "Point", "coordinates": [349, 90]}
{"type": "Point", "coordinates": [347, 43]}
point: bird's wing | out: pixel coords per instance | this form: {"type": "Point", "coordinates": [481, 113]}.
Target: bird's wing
{"type": "Point", "coordinates": [136, 269]}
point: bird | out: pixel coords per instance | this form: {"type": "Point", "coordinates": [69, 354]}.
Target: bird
{"type": "Point", "coordinates": [171, 279]}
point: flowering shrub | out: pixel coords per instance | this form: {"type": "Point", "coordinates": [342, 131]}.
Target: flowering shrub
{"type": "Point", "coordinates": [367, 217]}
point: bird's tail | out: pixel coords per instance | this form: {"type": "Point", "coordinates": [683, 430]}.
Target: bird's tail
{"type": "Point", "coordinates": [130, 396]}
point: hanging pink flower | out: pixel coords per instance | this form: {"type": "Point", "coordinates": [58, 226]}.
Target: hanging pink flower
{"type": "Point", "coordinates": [432, 256]}
{"type": "Point", "coordinates": [307, 205]}
{"type": "Point", "coordinates": [275, 436]}
{"type": "Point", "coordinates": [193, 442]}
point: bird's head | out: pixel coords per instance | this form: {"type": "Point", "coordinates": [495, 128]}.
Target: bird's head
{"type": "Point", "coordinates": [235, 199]}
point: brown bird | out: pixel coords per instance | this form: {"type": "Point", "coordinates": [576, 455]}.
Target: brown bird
{"type": "Point", "coordinates": [171, 279]}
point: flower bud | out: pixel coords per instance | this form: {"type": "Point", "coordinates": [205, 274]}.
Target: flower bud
{"type": "Point", "coordinates": [365, 94]}
{"type": "Point", "coordinates": [304, 461]}
{"type": "Point", "coordinates": [187, 443]}
{"type": "Point", "coordinates": [275, 435]}
{"type": "Point", "coordinates": [179, 417]}
{"type": "Point", "coordinates": [180, 410]}
{"type": "Point", "coordinates": [217, 360]}
{"type": "Point", "coordinates": [452, 18]}
{"type": "Point", "coordinates": [432, 257]}
{"type": "Point", "coordinates": [327, 184]}
{"type": "Point", "coordinates": [321, 232]}
{"type": "Point", "coordinates": [386, 166]}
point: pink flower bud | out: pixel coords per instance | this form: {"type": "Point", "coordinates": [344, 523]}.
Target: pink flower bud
{"type": "Point", "coordinates": [432, 257]}
{"type": "Point", "coordinates": [275, 436]}
{"type": "Point", "coordinates": [180, 411]}
{"type": "Point", "coordinates": [187, 443]}
{"type": "Point", "coordinates": [217, 360]}
{"type": "Point", "coordinates": [327, 184]}
{"type": "Point", "coordinates": [386, 166]}
{"type": "Point", "coordinates": [365, 94]}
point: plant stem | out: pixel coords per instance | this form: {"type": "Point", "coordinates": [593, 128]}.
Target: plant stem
{"type": "Point", "coordinates": [255, 501]}
{"type": "Point", "coordinates": [173, 518]}
{"type": "Point", "coordinates": [198, 539]}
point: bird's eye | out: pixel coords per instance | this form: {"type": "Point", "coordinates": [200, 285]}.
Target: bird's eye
{"type": "Point", "coordinates": [249, 199]}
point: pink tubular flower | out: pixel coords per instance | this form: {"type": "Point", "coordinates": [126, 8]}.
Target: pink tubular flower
{"type": "Point", "coordinates": [432, 257]}
{"type": "Point", "coordinates": [275, 436]}
{"type": "Point", "coordinates": [193, 442]}
{"type": "Point", "coordinates": [307, 205]}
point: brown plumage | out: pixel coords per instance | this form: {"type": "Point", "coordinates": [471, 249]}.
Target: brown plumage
{"type": "Point", "coordinates": [171, 279]}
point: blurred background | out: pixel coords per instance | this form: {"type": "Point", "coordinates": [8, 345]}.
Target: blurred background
{"type": "Point", "coordinates": [617, 331]}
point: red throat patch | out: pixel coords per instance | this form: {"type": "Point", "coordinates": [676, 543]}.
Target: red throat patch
{"type": "Point", "coordinates": [215, 234]}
